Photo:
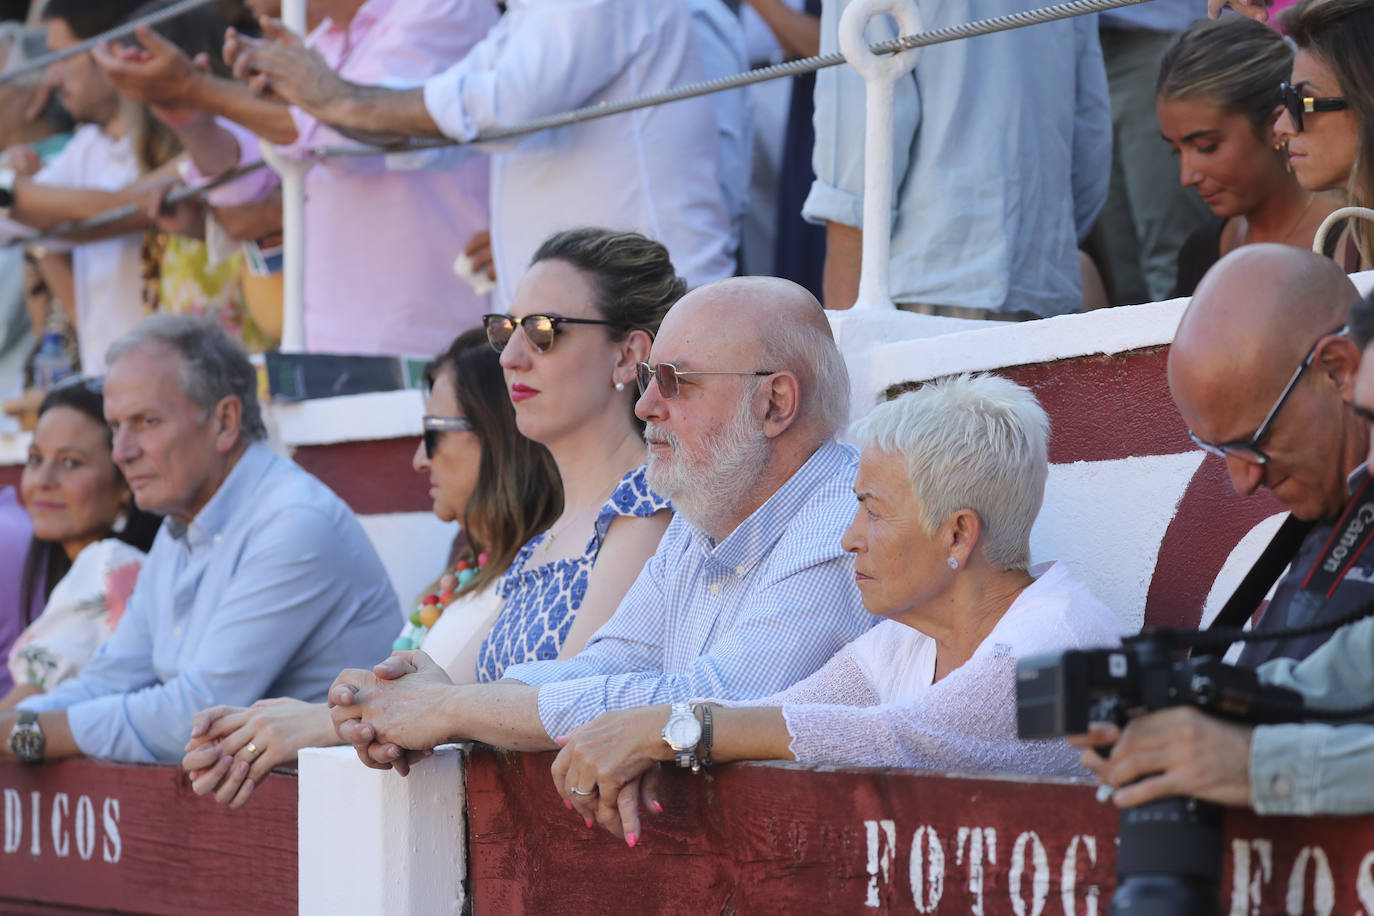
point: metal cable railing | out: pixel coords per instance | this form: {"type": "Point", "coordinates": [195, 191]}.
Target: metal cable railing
{"type": "Point", "coordinates": [777, 71]}
{"type": "Point", "coordinates": [604, 110]}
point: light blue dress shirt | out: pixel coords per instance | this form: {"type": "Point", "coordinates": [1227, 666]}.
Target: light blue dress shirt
{"type": "Point", "coordinates": [740, 619]}
{"type": "Point", "coordinates": [1156, 16]}
{"type": "Point", "coordinates": [1314, 768]}
{"type": "Point", "coordinates": [272, 590]}
{"type": "Point", "coordinates": [1001, 158]}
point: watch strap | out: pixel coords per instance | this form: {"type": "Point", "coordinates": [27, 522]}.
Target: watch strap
{"type": "Point", "coordinates": [703, 755]}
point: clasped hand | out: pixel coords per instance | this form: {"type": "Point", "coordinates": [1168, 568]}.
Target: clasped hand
{"type": "Point", "coordinates": [612, 763]}
{"type": "Point", "coordinates": [387, 714]}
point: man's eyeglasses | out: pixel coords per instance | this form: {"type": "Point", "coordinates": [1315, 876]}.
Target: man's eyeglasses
{"type": "Point", "coordinates": [1298, 104]}
{"type": "Point", "coordinates": [1248, 449]}
{"type": "Point", "coordinates": [668, 376]}
{"type": "Point", "coordinates": [436, 425]}
{"type": "Point", "coordinates": [540, 330]}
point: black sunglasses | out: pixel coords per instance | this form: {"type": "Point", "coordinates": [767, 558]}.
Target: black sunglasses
{"type": "Point", "coordinates": [667, 376]}
{"type": "Point", "coordinates": [1298, 104]}
{"type": "Point", "coordinates": [436, 425]}
{"type": "Point", "coordinates": [1248, 449]}
{"type": "Point", "coordinates": [540, 330]}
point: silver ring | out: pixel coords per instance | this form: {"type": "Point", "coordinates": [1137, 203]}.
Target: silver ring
{"type": "Point", "coordinates": [576, 791]}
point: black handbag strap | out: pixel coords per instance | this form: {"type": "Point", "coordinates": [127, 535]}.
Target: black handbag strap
{"type": "Point", "coordinates": [1262, 576]}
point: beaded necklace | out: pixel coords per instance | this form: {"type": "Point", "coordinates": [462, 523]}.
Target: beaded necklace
{"type": "Point", "coordinates": [431, 607]}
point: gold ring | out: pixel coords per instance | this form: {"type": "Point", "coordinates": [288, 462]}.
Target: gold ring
{"type": "Point", "coordinates": [251, 748]}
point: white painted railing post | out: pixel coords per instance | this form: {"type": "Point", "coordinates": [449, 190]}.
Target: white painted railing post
{"type": "Point", "coordinates": [1319, 240]}
{"type": "Point", "coordinates": [292, 174]}
{"type": "Point", "coordinates": [881, 75]}
{"type": "Point", "coordinates": [370, 841]}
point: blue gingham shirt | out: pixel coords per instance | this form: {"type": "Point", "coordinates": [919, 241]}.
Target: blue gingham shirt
{"type": "Point", "coordinates": [740, 619]}
{"type": "Point", "coordinates": [271, 590]}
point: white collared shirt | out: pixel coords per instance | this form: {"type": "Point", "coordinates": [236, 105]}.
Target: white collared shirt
{"type": "Point", "coordinates": [657, 171]}
{"type": "Point", "coordinates": [108, 274]}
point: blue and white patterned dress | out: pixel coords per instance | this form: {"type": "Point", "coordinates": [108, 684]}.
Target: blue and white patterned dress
{"type": "Point", "coordinates": [541, 601]}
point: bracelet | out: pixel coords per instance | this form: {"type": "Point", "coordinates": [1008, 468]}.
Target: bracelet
{"type": "Point", "coordinates": [703, 755]}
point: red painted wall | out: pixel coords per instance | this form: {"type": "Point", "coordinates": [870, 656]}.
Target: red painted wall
{"type": "Point", "coordinates": [784, 839]}
{"type": "Point", "coordinates": [136, 838]}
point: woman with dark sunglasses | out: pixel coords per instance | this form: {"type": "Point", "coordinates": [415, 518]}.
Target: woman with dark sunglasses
{"type": "Point", "coordinates": [1216, 109]}
{"type": "Point", "coordinates": [1327, 121]}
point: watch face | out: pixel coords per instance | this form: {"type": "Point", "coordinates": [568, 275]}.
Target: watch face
{"type": "Point", "coordinates": [682, 732]}
{"type": "Point", "coordinates": [27, 743]}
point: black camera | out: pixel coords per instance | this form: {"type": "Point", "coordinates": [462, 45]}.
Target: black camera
{"type": "Point", "coordinates": [1170, 854]}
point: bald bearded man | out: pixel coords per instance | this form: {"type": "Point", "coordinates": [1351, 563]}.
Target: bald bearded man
{"type": "Point", "coordinates": [1264, 378]}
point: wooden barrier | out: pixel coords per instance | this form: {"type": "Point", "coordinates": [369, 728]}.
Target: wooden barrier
{"type": "Point", "coordinates": [97, 835]}
{"type": "Point", "coordinates": [780, 838]}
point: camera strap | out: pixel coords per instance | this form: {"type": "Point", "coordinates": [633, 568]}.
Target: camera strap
{"type": "Point", "coordinates": [1349, 537]}
{"type": "Point", "coordinates": [1262, 576]}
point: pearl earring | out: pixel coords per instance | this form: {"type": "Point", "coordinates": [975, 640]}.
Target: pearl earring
{"type": "Point", "coordinates": [619, 385]}
{"type": "Point", "coordinates": [953, 563]}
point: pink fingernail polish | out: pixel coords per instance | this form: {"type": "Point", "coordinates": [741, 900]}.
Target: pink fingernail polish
{"type": "Point", "coordinates": [630, 840]}
{"type": "Point", "coordinates": [568, 805]}
{"type": "Point", "coordinates": [657, 807]}
{"type": "Point", "coordinates": [589, 822]}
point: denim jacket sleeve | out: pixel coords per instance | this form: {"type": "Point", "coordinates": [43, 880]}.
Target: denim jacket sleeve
{"type": "Point", "coordinates": [1313, 768]}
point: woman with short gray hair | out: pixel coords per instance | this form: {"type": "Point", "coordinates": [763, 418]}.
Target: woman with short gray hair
{"type": "Point", "coordinates": [950, 481]}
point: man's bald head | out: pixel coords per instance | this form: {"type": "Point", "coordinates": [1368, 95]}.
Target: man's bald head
{"type": "Point", "coordinates": [766, 323]}
{"type": "Point", "coordinates": [1255, 317]}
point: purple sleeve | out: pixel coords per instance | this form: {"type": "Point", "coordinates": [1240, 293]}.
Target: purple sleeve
{"type": "Point", "coordinates": [15, 535]}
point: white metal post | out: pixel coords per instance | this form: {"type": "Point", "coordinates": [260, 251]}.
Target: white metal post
{"type": "Point", "coordinates": [292, 174]}
{"type": "Point", "coordinates": [881, 75]}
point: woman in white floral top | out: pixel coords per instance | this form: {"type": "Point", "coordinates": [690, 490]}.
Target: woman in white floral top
{"type": "Point", "coordinates": [82, 568]}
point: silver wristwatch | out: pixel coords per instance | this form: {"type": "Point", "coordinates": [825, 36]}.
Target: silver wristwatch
{"type": "Point", "coordinates": [683, 734]}
{"type": "Point", "coordinates": [26, 738]}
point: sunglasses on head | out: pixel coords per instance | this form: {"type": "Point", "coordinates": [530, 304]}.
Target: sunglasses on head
{"type": "Point", "coordinates": [667, 377]}
{"type": "Point", "coordinates": [1297, 104]}
{"type": "Point", "coordinates": [433, 426]}
{"type": "Point", "coordinates": [540, 330]}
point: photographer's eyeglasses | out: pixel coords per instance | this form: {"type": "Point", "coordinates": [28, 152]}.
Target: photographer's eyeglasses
{"type": "Point", "coordinates": [436, 425]}
{"type": "Point", "coordinates": [667, 376]}
{"type": "Point", "coordinates": [1298, 104]}
{"type": "Point", "coordinates": [1249, 450]}
{"type": "Point", "coordinates": [540, 330]}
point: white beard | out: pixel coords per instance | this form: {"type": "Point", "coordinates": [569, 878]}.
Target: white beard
{"type": "Point", "coordinates": [709, 487]}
